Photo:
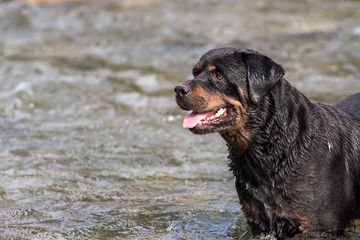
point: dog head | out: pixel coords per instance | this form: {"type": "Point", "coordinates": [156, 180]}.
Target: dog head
{"type": "Point", "coordinates": [227, 82]}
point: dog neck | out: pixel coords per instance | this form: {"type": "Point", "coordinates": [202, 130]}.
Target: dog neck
{"type": "Point", "coordinates": [271, 129]}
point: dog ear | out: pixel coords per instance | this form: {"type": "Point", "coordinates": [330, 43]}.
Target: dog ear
{"type": "Point", "coordinates": [262, 74]}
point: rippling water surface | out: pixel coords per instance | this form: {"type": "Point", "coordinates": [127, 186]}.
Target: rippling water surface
{"type": "Point", "coordinates": [91, 144]}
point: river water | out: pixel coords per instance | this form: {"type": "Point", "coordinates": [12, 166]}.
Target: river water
{"type": "Point", "coordinates": [91, 143]}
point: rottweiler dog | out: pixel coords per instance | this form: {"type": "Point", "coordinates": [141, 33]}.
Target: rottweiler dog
{"type": "Point", "coordinates": [296, 163]}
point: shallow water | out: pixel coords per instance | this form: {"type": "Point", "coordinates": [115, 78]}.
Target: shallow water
{"type": "Point", "coordinates": [91, 144]}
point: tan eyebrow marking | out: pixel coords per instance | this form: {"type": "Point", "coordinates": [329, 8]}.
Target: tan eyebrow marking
{"type": "Point", "coordinates": [197, 66]}
{"type": "Point", "coordinates": [212, 68]}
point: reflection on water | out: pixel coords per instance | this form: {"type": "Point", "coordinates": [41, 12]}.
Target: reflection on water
{"type": "Point", "coordinates": [91, 138]}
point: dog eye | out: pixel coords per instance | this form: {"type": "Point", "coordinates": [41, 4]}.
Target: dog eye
{"type": "Point", "coordinates": [219, 76]}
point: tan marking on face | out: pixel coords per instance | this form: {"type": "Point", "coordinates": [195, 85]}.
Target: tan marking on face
{"type": "Point", "coordinates": [239, 136]}
{"type": "Point", "coordinates": [197, 66]}
{"type": "Point", "coordinates": [235, 103]}
{"type": "Point", "coordinates": [212, 68]}
{"type": "Point", "coordinates": [213, 100]}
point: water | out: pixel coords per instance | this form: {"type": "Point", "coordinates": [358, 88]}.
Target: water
{"type": "Point", "coordinates": [91, 140]}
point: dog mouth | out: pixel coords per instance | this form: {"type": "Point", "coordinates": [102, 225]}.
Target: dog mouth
{"type": "Point", "coordinates": [212, 121]}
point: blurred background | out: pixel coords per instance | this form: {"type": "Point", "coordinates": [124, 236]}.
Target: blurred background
{"type": "Point", "coordinates": [91, 143]}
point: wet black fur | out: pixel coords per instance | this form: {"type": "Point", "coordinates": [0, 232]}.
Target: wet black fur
{"type": "Point", "coordinates": [301, 168]}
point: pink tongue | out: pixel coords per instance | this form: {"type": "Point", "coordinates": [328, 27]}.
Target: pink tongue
{"type": "Point", "coordinates": [192, 119]}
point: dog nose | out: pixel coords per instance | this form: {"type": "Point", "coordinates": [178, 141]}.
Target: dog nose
{"type": "Point", "coordinates": [181, 90]}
